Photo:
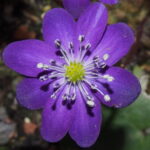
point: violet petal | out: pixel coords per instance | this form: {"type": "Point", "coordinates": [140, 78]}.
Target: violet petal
{"type": "Point", "coordinates": [23, 56]}
{"type": "Point", "coordinates": [87, 122]}
{"type": "Point", "coordinates": [123, 90]}
{"type": "Point", "coordinates": [92, 23]}
{"type": "Point", "coordinates": [58, 24]}
{"type": "Point", "coordinates": [75, 7]}
{"type": "Point", "coordinates": [56, 120]}
{"type": "Point", "coordinates": [33, 93]}
{"type": "Point", "coordinates": [116, 42]}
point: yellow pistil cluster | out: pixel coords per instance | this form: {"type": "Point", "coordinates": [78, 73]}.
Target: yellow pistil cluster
{"type": "Point", "coordinates": [75, 72]}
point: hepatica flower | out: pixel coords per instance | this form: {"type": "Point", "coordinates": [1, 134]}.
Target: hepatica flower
{"type": "Point", "coordinates": [75, 7]}
{"type": "Point", "coordinates": [70, 73]}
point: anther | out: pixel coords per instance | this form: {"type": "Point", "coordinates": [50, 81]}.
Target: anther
{"type": "Point", "coordinates": [53, 96]}
{"type": "Point", "coordinates": [62, 50]}
{"type": "Point", "coordinates": [100, 65]}
{"type": "Point", "coordinates": [45, 67]}
{"type": "Point", "coordinates": [71, 45]}
{"type": "Point", "coordinates": [67, 97]}
{"type": "Point", "coordinates": [88, 46]}
{"type": "Point", "coordinates": [82, 47]}
{"type": "Point", "coordinates": [73, 97]}
{"type": "Point", "coordinates": [43, 78]}
{"type": "Point", "coordinates": [81, 38]}
{"type": "Point", "coordinates": [108, 77]}
{"type": "Point", "coordinates": [107, 98]}
{"type": "Point", "coordinates": [106, 56]}
{"type": "Point", "coordinates": [93, 86]}
{"type": "Point", "coordinates": [90, 103]}
{"type": "Point", "coordinates": [83, 51]}
{"type": "Point", "coordinates": [64, 97]}
{"type": "Point", "coordinates": [56, 85]}
{"type": "Point", "coordinates": [95, 58]}
{"type": "Point", "coordinates": [57, 43]}
{"type": "Point", "coordinates": [89, 98]}
{"type": "Point", "coordinates": [52, 62]}
{"type": "Point", "coordinates": [40, 65]}
{"type": "Point", "coordinates": [73, 93]}
{"type": "Point", "coordinates": [55, 92]}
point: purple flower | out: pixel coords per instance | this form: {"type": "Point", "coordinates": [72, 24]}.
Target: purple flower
{"type": "Point", "coordinates": [76, 7]}
{"type": "Point", "coordinates": [70, 73]}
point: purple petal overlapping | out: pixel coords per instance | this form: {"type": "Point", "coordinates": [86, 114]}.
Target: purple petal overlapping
{"type": "Point", "coordinates": [77, 7]}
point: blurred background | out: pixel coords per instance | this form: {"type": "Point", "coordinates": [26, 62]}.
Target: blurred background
{"type": "Point", "coordinates": [122, 129]}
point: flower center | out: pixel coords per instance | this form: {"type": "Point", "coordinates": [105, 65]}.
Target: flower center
{"type": "Point", "coordinates": [75, 76]}
{"type": "Point", "coordinates": [75, 72]}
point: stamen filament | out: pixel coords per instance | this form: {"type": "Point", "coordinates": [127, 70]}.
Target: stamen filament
{"type": "Point", "coordinates": [89, 99]}
{"type": "Point", "coordinates": [53, 95]}
{"type": "Point", "coordinates": [48, 67]}
{"type": "Point", "coordinates": [62, 50]}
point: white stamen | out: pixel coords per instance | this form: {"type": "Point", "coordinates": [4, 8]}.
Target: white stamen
{"type": "Point", "coordinates": [43, 78]}
{"type": "Point", "coordinates": [87, 46]}
{"type": "Point", "coordinates": [93, 86]}
{"type": "Point", "coordinates": [107, 98]}
{"type": "Point", "coordinates": [91, 77]}
{"type": "Point", "coordinates": [90, 68]}
{"type": "Point", "coordinates": [106, 56]}
{"type": "Point", "coordinates": [108, 77]}
{"type": "Point", "coordinates": [82, 89]}
{"type": "Point", "coordinates": [53, 96]}
{"type": "Point", "coordinates": [73, 97]}
{"type": "Point", "coordinates": [49, 67]}
{"type": "Point", "coordinates": [52, 62]}
{"type": "Point", "coordinates": [61, 86]}
{"type": "Point", "coordinates": [55, 75]}
{"type": "Point", "coordinates": [42, 66]}
{"type": "Point", "coordinates": [100, 65]}
{"type": "Point", "coordinates": [74, 93]}
{"type": "Point", "coordinates": [67, 95]}
{"type": "Point", "coordinates": [88, 65]}
{"type": "Point", "coordinates": [57, 42]}
{"type": "Point", "coordinates": [71, 45]}
{"type": "Point", "coordinates": [90, 103]}
{"type": "Point", "coordinates": [45, 67]}
{"type": "Point", "coordinates": [89, 99]}
{"type": "Point", "coordinates": [91, 73]}
{"type": "Point", "coordinates": [39, 65]}
{"type": "Point", "coordinates": [56, 85]}
{"type": "Point", "coordinates": [71, 50]}
{"type": "Point", "coordinates": [81, 38]}
{"type": "Point", "coordinates": [65, 54]}
{"type": "Point", "coordinates": [96, 59]}
{"type": "Point", "coordinates": [64, 97]}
